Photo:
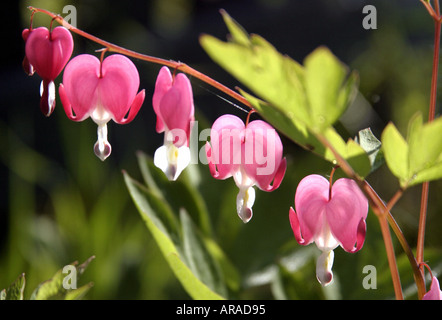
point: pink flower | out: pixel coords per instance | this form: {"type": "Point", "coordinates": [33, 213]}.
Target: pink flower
{"type": "Point", "coordinates": [47, 53]}
{"type": "Point", "coordinates": [330, 217]}
{"type": "Point", "coordinates": [103, 91]}
{"type": "Point", "coordinates": [173, 104]}
{"type": "Point", "coordinates": [434, 293]}
{"type": "Point", "coordinates": [251, 154]}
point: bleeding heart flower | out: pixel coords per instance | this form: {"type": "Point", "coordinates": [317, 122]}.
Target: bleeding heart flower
{"type": "Point", "coordinates": [252, 154]}
{"type": "Point", "coordinates": [329, 216]}
{"type": "Point", "coordinates": [47, 52]}
{"type": "Point", "coordinates": [434, 293]}
{"type": "Point", "coordinates": [173, 104]}
{"type": "Point", "coordinates": [103, 91]}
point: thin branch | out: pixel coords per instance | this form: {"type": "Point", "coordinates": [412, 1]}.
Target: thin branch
{"type": "Point", "coordinates": [169, 63]}
{"type": "Point", "coordinates": [430, 9]}
{"type": "Point", "coordinates": [431, 115]}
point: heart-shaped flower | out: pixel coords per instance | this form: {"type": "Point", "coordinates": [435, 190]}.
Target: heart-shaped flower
{"type": "Point", "coordinates": [251, 154]}
{"type": "Point", "coordinates": [173, 104]}
{"type": "Point", "coordinates": [330, 216]}
{"type": "Point", "coordinates": [47, 52]}
{"type": "Point", "coordinates": [103, 91]}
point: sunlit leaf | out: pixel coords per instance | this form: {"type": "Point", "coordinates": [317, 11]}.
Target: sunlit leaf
{"type": "Point", "coordinates": [396, 152]}
{"type": "Point", "coordinates": [15, 290]}
{"type": "Point", "coordinates": [54, 287]}
{"type": "Point", "coordinates": [425, 147]}
{"type": "Point", "coordinates": [417, 159]}
{"type": "Point", "coordinates": [327, 87]}
{"type": "Point", "coordinates": [78, 293]}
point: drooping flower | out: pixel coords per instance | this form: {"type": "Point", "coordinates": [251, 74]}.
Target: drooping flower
{"type": "Point", "coordinates": [47, 52]}
{"type": "Point", "coordinates": [104, 91]}
{"type": "Point", "coordinates": [434, 293]}
{"type": "Point", "coordinates": [329, 216]}
{"type": "Point", "coordinates": [251, 154]}
{"type": "Point", "coordinates": [173, 105]}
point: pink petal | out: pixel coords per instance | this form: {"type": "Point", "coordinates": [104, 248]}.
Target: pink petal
{"type": "Point", "coordinates": [311, 199]}
{"type": "Point", "coordinates": [162, 85]}
{"type": "Point", "coordinates": [80, 81]}
{"type": "Point", "coordinates": [211, 162]}
{"type": "Point", "coordinates": [176, 109]}
{"type": "Point", "coordinates": [294, 223]}
{"type": "Point", "coordinates": [262, 152]}
{"type": "Point", "coordinates": [27, 67]}
{"type": "Point", "coordinates": [346, 213]}
{"type": "Point", "coordinates": [226, 143]}
{"type": "Point", "coordinates": [434, 293]}
{"type": "Point", "coordinates": [118, 85]}
{"type": "Point", "coordinates": [49, 53]}
{"type": "Point", "coordinates": [134, 108]}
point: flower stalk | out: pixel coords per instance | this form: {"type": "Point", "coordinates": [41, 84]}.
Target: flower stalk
{"type": "Point", "coordinates": [435, 14]}
{"type": "Point", "coordinates": [169, 63]}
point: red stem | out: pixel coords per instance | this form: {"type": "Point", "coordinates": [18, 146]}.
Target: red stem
{"type": "Point", "coordinates": [169, 63]}
{"type": "Point", "coordinates": [248, 116]}
{"type": "Point", "coordinates": [431, 114]}
{"type": "Point", "coordinates": [331, 182]}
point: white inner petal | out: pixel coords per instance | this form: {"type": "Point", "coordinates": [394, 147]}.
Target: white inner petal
{"type": "Point", "coordinates": [102, 147]}
{"type": "Point", "coordinates": [244, 203]}
{"type": "Point", "coordinates": [100, 115]}
{"type": "Point", "coordinates": [242, 180]}
{"type": "Point", "coordinates": [324, 239]}
{"type": "Point", "coordinates": [172, 160]}
{"type": "Point", "coordinates": [324, 265]}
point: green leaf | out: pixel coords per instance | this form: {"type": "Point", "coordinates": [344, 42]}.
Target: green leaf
{"type": "Point", "coordinates": [425, 143]}
{"type": "Point", "coordinates": [179, 194]}
{"type": "Point", "coordinates": [54, 289]}
{"type": "Point", "coordinates": [417, 159]}
{"type": "Point", "coordinates": [15, 290]}
{"type": "Point", "coordinates": [355, 155]}
{"type": "Point", "coordinates": [258, 65]}
{"type": "Point", "coordinates": [199, 259]}
{"type": "Point", "coordinates": [372, 146]}
{"type": "Point", "coordinates": [239, 35]}
{"type": "Point", "coordinates": [78, 293]}
{"type": "Point", "coordinates": [328, 89]}
{"type": "Point", "coordinates": [230, 273]}
{"type": "Point", "coordinates": [396, 152]}
{"type": "Point", "coordinates": [155, 212]}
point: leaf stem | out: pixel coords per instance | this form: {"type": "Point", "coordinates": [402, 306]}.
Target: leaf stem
{"type": "Point", "coordinates": [169, 63]}
{"type": "Point", "coordinates": [431, 114]}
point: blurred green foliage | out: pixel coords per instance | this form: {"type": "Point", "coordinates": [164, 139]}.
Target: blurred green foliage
{"type": "Point", "coordinates": [63, 204]}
